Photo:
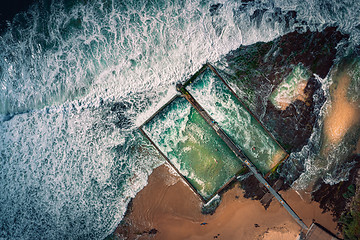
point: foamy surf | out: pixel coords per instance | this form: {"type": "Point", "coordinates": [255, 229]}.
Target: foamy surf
{"type": "Point", "coordinates": [75, 79]}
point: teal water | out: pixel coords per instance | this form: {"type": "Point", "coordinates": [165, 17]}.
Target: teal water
{"type": "Point", "coordinates": [289, 86]}
{"type": "Point", "coordinates": [223, 106]}
{"type": "Point", "coordinates": [193, 147]}
{"type": "Point", "coordinates": [76, 79]}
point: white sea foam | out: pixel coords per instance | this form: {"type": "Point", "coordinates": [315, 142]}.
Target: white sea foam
{"type": "Point", "coordinates": [75, 79]}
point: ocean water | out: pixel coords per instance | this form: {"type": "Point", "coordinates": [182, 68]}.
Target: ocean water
{"type": "Point", "coordinates": [78, 77]}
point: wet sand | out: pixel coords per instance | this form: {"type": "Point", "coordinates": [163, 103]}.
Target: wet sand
{"type": "Point", "coordinates": [168, 205]}
{"type": "Point", "coordinates": [342, 114]}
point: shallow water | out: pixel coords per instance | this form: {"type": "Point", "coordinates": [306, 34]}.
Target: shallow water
{"type": "Point", "coordinates": [193, 147]}
{"type": "Point", "coordinates": [77, 77]}
{"type": "Point", "coordinates": [223, 106]}
{"type": "Point", "coordinates": [335, 124]}
{"type": "Point", "coordinates": [338, 132]}
{"type": "Point", "coordinates": [291, 88]}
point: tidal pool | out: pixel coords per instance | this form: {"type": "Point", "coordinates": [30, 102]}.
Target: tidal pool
{"type": "Point", "coordinates": [193, 148]}
{"type": "Point", "coordinates": [236, 120]}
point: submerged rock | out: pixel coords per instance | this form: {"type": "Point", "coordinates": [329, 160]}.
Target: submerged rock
{"type": "Point", "coordinates": [258, 69]}
{"type": "Point", "coordinates": [335, 198]}
{"type": "Point", "coordinates": [296, 64]}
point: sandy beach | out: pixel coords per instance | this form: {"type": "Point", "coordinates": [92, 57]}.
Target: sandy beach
{"type": "Point", "coordinates": [167, 209]}
{"type": "Point", "coordinates": [335, 124]}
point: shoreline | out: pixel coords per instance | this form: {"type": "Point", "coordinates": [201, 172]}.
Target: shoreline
{"type": "Point", "coordinates": [168, 209]}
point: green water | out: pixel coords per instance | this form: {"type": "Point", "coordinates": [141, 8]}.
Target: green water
{"type": "Point", "coordinates": [262, 150]}
{"type": "Point", "coordinates": [287, 89]}
{"type": "Point", "coordinates": [193, 147]}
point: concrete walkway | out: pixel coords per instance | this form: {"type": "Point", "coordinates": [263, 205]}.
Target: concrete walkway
{"type": "Point", "coordinates": [238, 152]}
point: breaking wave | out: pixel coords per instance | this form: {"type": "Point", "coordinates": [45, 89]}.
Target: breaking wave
{"type": "Point", "coordinates": [76, 76]}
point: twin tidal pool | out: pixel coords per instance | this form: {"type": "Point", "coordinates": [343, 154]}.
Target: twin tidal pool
{"type": "Point", "coordinates": [194, 149]}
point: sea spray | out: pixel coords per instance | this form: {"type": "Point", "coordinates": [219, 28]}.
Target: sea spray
{"type": "Point", "coordinates": [74, 78]}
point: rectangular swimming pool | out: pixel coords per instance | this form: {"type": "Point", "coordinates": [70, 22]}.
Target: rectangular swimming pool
{"type": "Point", "coordinates": [192, 147]}
{"type": "Point", "coordinates": [236, 120]}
